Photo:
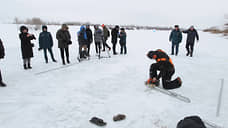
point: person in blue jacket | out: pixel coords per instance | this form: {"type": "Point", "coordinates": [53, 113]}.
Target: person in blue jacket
{"type": "Point", "coordinates": [82, 42]}
{"type": "Point", "coordinates": [46, 43]}
{"type": "Point", "coordinates": [176, 38]}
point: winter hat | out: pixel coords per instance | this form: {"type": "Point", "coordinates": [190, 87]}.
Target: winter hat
{"type": "Point", "coordinates": [117, 26]}
{"type": "Point", "coordinates": [102, 25]}
{"type": "Point", "coordinates": [176, 26]}
{"type": "Point", "coordinates": [22, 28]}
{"type": "Point", "coordinates": [151, 54]}
{"type": "Point", "coordinates": [44, 27]}
{"type": "Point", "coordinates": [191, 122]}
{"type": "Point", "coordinates": [64, 26]}
{"type": "Point", "coordinates": [122, 29]}
{"type": "Point", "coordinates": [192, 26]}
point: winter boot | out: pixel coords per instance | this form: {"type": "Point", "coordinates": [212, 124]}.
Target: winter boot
{"type": "Point", "coordinates": [29, 66]}
{"type": "Point", "coordinates": [64, 62]}
{"type": "Point", "coordinates": [97, 121]}
{"type": "Point", "coordinates": [152, 82]}
{"type": "Point", "coordinates": [2, 84]}
{"type": "Point", "coordinates": [191, 54]}
{"type": "Point", "coordinates": [46, 61]}
{"type": "Point", "coordinates": [54, 60]}
{"type": "Point", "coordinates": [25, 67]}
{"type": "Point", "coordinates": [187, 54]}
{"type": "Point", "coordinates": [179, 80]}
{"type": "Point", "coordinates": [68, 61]}
{"type": "Point", "coordinates": [119, 117]}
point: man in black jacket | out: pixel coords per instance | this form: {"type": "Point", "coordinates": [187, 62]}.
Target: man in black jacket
{"type": "Point", "coordinates": [115, 35]}
{"type": "Point", "coordinates": [166, 67]}
{"type": "Point", "coordinates": [89, 34]}
{"type": "Point", "coordinates": [2, 54]}
{"type": "Point", "coordinates": [191, 35]}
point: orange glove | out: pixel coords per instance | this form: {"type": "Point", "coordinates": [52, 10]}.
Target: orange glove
{"type": "Point", "coordinates": [149, 81]}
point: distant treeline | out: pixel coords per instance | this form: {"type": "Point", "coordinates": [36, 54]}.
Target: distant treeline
{"type": "Point", "coordinates": [216, 30]}
{"type": "Point", "coordinates": [37, 22]}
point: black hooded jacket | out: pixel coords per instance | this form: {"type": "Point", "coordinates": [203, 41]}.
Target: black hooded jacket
{"type": "Point", "coordinates": [191, 35]}
{"type": "Point", "coordinates": [89, 34]}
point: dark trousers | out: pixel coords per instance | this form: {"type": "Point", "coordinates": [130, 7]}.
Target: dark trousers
{"type": "Point", "coordinates": [166, 76]}
{"type": "Point", "coordinates": [189, 48]}
{"type": "Point", "coordinates": [66, 50]}
{"type": "Point", "coordinates": [123, 47]}
{"type": "Point", "coordinates": [0, 76]}
{"type": "Point", "coordinates": [175, 46]}
{"type": "Point", "coordinates": [88, 49]}
{"type": "Point", "coordinates": [27, 61]}
{"type": "Point", "coordinates": [114, 47]}
{"type": "Point", "coordinates": [51, 53]}
{"type": "Point", "coordinates": [105, 44]}
{"type": "Point", "coordinates": [98, 47]}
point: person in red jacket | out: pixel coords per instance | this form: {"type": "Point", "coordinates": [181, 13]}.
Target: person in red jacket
{"type": "Point", "coordinates": [2, 55]}
{"type": "Point", "coordinates": [166, 67]}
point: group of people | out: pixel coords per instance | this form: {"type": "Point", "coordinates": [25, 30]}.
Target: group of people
{"type": "Point", "coordinates": [176, 38]}
{"type": "Point", "coordinates": [164, 64]}
{"type": "Point", "coordinates": [85, 39]}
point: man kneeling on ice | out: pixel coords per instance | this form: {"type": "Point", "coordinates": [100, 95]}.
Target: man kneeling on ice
{"type": "Point", "coordinates": [165, 66]}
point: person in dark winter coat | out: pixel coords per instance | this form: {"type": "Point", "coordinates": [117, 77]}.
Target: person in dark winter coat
{"type": "Point", "coordinates": [192, 34]}
{"type": "Point", "coordinates": [98, 38]}
{"type": "Point", "coordinates": [82, 41]}
{"type": "Point", "coordinates": [123, 38]}
{"type": "Point", "coordinates": [191, 122]}
{"type": "Point", "coordinates": [106, 36]}
{"type": "Point", "coordinates": [46, 43]}
{"type": "Point", "coordinates": [64, 40]}
{"type": "Point", "coordinates": [115, 35]}
{"type": "Point", "coordinates": [166, 67]}
{"type": "Point", "coordinates": [2, 55]}
{"type": "Point", "coordinates": [176, 38]}
{"type": "Point", "coordinates": [26, 46]}
{"type": "Point", "coordinates": [89, 34]}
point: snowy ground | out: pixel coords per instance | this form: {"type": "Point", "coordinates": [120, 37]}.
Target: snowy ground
{"type": "Point", "coordinates": [69, 97]}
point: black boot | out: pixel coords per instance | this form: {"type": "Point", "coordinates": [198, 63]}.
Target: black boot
{"type": "Point", "coordinates": [2, 84]}
{"type": "Point", "coordinates": [54, 60]}
{"type": "Point", "coordinates": [64, 62]}
{"type": "Point", "coordinates": [187, 54]}
{"type": "Point", "coordinates": [68, 61]}
{"type": "Point", "coordinates": [191, 54]}
{"type": "Point", "coordinates": [46, 60]}
{"type": "Point", "coordinates": [29, 66]}
{"type": "Point", "coordinates": [25, 67]}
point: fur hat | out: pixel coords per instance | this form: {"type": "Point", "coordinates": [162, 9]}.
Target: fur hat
{"type": "Point", "coordinates": [22, 28]}
{"type": "Point", "coordinates": [64, 26]}
{"type": "Point", "coordinates": [176, 26]}
{"type": "Point", "coordinates": [44, 27]}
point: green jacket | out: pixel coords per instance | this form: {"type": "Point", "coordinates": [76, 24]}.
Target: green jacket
{"type": "Point", "coordinates": [63, 38]}
{"type": "Point", "coordinates": [106, 33]}
{"type": "Point", "coordinates": [175, 37]}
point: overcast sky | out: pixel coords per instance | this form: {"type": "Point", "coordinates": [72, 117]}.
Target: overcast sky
{"type": "Point", "coordinates": [200, 13]}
